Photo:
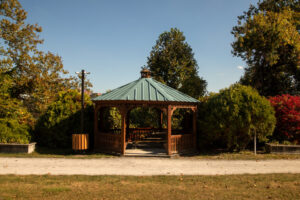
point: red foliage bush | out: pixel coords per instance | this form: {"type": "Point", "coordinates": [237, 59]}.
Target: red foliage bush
{"type": "Point", "coordinates": [287, 109]}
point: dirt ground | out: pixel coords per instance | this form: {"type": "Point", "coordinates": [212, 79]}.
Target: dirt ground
{"type": "Point", "coordinates": [143, 166]}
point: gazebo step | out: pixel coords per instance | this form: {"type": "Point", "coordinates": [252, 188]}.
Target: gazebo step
{"type": "Point", "coordinates": [146, 144]}
{"type": "Point", "coordinates": [151, 152]}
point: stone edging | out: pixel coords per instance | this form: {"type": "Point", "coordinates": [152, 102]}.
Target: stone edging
{"type": "Point", "coordinates": [283, 149]}
{"type": "Point", "coordinates": [17, 148]}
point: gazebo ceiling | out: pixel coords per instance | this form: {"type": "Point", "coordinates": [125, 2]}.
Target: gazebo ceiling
{"type": "Point", "coordinates": [146, 89]}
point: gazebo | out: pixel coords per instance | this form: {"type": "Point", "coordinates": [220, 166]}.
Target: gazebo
{"type": "Point", "coordinates": [144, 92]}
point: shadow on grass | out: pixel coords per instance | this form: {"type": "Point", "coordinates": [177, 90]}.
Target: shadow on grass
{"type": "Point", "coordinates": [46, 152]}
{"type": "Point", "coordinates": [54, 151]}
{"type": "Point", "coordinates": [66, 152]}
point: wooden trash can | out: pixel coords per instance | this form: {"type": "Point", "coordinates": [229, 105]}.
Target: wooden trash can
{"type": "Point", "coordinates": [80, 142]}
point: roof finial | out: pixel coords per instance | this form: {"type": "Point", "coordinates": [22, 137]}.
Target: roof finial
{"type": "Point", "coordinates": [145, 73]}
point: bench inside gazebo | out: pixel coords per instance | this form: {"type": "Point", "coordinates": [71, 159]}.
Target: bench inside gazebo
{"type": "Point", "coordinates": [144, 92]}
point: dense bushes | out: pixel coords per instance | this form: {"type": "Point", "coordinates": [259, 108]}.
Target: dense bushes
{"type": "Point", "coordinates": [15, 120]}
{"type": "Point", "coordinates": [13, 132]}
{"type": "Point", "coordinates": [287, 109]}
{"type": "Point", "coordinates": [230, 118]}
{"type": "Point", "coordinates": [15, 123]}
{"type": "Point", "coordinates": [62, 119]}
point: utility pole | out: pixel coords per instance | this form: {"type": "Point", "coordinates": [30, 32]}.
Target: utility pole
{"type": "Point", "coordinates": [254, 141]}
{"type": "Point", "coordinates": [83, 72]}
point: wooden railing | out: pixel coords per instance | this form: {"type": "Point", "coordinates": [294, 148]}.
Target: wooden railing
{"type": "Point", "coordinates": [181, 143]}
{"type": "Point", "coordinates": [137, 134]}
{"type": "Point", "coordinates": [110, 142]}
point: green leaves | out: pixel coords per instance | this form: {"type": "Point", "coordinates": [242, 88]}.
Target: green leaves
{"type": "Point", "coordinates": [172, 62]}
{"type": "Point", "coordinates": [62, 119]}
{"type": "Point", "coordinates": [268, 39]}
{"type": "Point", "coordinates": [36, 75]}
{"type": "Point", "coordinates": [15, 120]}
{"type": "Point", "coordinates": [13, 132]}
{"type": "Point", "coordinates": [232, 115]}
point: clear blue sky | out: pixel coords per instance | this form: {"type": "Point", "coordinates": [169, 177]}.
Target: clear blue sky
{"type": "Point", "coordinates": [112, 39]}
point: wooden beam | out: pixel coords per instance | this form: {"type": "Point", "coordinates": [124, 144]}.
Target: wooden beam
{"type": "Point", "coordinates": [115, 103]}
{"type": "Point", "coordinates": [161, 120]}
{"type": "Point", "coordinates": [123, 111]}
{"type": "Point", "coordinates": [95, 126]}
{"type": "Point", "coordinates": [127, 120]}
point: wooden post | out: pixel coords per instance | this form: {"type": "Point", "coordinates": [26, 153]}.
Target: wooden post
{"type": "Point", "coordinates": [123, 129]}
{"type": "Point", "coordinates": [95, 126]}
{"type": "Point", "coordinates": [160, 119]}
{"type": "Point", "coordinates": [82, 100]}
{"type": "Point", "coordinates": [254, 141]}
{"type": "Point", "coordinates": [169, 122]}
{"type": "Point", "coordinates": [195, 128]}
{"type": "Point", "coordinates": [127, 121]}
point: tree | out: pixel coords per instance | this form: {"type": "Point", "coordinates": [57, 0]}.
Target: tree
{"type": "Point", "coordinates": [36, 75]}
{"type": "Point", "coordinates": [287, 110]}
{"type": "Point", "coordinates": [234, 116]}
{"type": "Point", "coordinates": [267, 38]}
{"type": "Point", "coordinates": [194, 86]}
{"type": "Point", "coordinates": [279, 6]}
{"type": "Point", "coordinates": [172, 62]}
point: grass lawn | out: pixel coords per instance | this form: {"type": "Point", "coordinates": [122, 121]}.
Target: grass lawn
{"type": "Point", "coordinates": [271, 186]}
{"type": "Point", "coordinates": [244, 155]}
{"type": "Point", "coordinates": [42, 152]}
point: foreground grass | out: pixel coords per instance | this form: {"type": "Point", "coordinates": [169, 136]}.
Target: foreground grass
{"type": "Point", "coordinates": [271, 186]}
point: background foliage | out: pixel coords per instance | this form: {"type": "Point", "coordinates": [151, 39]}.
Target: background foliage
{"type": "Point", "coordinates": [36, 75]}
{"type": "Point", "coordinates": [287, 109]}
{"type": "Point", "coordinates": [15, 120]}
{"type": "Point", "coordinates": [62, 119]}
{"type": "Point", "coordinates": [172, 62]}
{"type": "Point", "coordinates": [267, 38]}
{"type": "Point", "coordinates": [229, 118]}
{"type": "Point", "coordinates": [30, 78]}
{"type": "Point", "coordinates": [112, 119]}
{"type": "Point", "coordinates": [142, 117]}
{"type": "Point", "coordinates": [13, 132]}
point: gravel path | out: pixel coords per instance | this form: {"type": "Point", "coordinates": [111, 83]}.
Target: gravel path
{"type": "Point", "coordinates": [143, 166]}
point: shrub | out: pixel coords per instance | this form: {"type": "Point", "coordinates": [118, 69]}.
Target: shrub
{"type": "Point", "coordinates": [231, 117]}
{"type": "Point", "coordinates": [287, 110]}
{"type": "Point", "coordinates": [15, 120]}
{"type": "Point", "coordinates": [62, 119]}
{"type": "Point", "coordinates": [13, 132]}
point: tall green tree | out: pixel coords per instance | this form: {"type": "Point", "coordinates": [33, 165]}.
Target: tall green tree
{"type": "Point", "coordinates": [36, 75]}
{"type": "Point", "coordinates": [172, 62]}
{"type": "Point", "coordinates": [267, 38]}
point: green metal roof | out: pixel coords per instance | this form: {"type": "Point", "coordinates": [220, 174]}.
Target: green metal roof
{"type": "Point", "coordinates": [146, 89]}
